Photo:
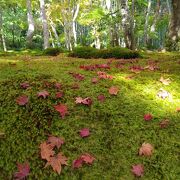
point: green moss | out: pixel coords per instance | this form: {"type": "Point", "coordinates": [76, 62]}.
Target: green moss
{"type": "Point", "coordinates": [117, 126]}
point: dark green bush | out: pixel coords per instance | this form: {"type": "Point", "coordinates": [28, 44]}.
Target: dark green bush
{"type": "Point", "coordinates": [53, 51]}
{"type": "Point", "coordinates": [116, 52]}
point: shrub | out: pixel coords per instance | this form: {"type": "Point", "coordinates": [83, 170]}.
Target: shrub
{"type": "Point", "coordinates": [116, 52]}
{"type": "Point", "coordinates": [83, 52]}
{"type": "Point", "coordinates": [53, 51]}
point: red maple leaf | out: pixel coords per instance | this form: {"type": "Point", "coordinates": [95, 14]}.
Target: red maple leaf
{"type": "Point", "coordinates": [56, 162]}
{"type": "Point", "coordinates": [146, 149]}
{"type": "Point", "coordinates": [59, 95]}
{"type": "Point", "coordinates": [87, 158]}
{"type": "Point", "coordinates": [101, 98]}
{"type": "Point", "coordinates": [23, 171]}
{"type": "Point", "coordinates": [84, 132]}
{"type": "Point", "coordinates": [83, 159]}
{"type": "Point", "coordinates": [24, 85]}
{"type": "Point", "coordinates": [62, 109]}
{"type": "Point", "coordinates": [164, 123]}
{"type": "Point", "coordinates": [136, 69]}
{"type": "Point", "coordinates": [86, 101]}
{"type": "Point", "coordinates": [22, 100]}
{"type": "Point", "coordinates": [148, 117]}
{"type": "Point", "coordinates": [94, 80]}
{"type": "Point", "coordinates": [138, 170]}
{"type": "Point", "coordinates": [57, 85]}
{"type": "Point", "coordinates": [113, 90]}
{"type": "Point", "coordinates": [77, 163]}
{"type": "Point", "coordinates": [55, 141]}
{"type": "Point", "coordinates": [43, 94]}
{"type": "Point", "coordinates": [46, 151]}
{"type": "Point", "coordinates": [79, 77]}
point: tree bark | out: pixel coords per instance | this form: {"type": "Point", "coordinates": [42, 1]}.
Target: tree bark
{"type": "Point", "coordinates": [53, 27]}
{"type": "Point", "coordinates": [147, 23]}
{"type": "Point", "coordinates": [2, 32]}
{"type": "Point", "coordinates": [126, 23]}
{"type": "Point", "coordinates": [45, 24]}
{"type": "Point", "coordinates": [30, 19]}
{"type": "Point", "coordinates": [174, 29]}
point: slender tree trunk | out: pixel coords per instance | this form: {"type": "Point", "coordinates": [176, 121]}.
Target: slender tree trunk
{"type": "Point", "coordinates": [45, 24]}
{"type": "Point", "coordinates": [147, 23]}
{"type": "Point", "coordinates": [52, 40]}
{"type": "Point", "coordinates": [53, 27]}
{"type": "Point", "coordinates": [174, 29]}
{"type": "Point", "coordinates": [126, 23]}
{"type": "Point", "coordinates": [76, 12]}
{"type": "Point", "coordinates": [30, 19]}
{"type": "Point", "coordinates": [2, 32]}
{"type": "Point", "coordinates": [133, 44]}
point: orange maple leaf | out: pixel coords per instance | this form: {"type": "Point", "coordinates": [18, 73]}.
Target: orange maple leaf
{"type": "Point", "coordinates": [46, 151]}
{"type": "Point", "coordinates": [56, 162]}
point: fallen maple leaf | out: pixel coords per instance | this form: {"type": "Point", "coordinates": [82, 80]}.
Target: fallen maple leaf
{"type": "Point", "coordinates": [101, 98]}
{"type": "Point", "coordinates": [46, 151]}
{"type": "Point", "coordinates": [146, 149]}
{"type": "Point", "coordinates": [23, 171]}
{"type": "Point", "coordinates": [94, 80]}
{"type": "Point", "coordinates": [148, 117]}
{"type": "Point", "coordinates": [56, 161]}
{"type": "Point", "coordinates": [57, 85]}
{"type": "Point", "coordinates": [77, 163]}
{"type": "Point", "coordinates": [62, 109]}
{"type": "Point", "coordinates": [136, 69]}
{"type": "Point", "coordinates": [84, 132]}
{"type": "Point", "coordinates": [87, 158]}
{"type": "Point", "coordinates": [25, 85]}
{"type": "Point", "coordinates": [55, 141]}
{"type": "Point", "coordinates": [79, 77]}
{"type": "Point", "coordinates": [164, 123]}
{"type": "Point", "coordinates": [83, 159]}
{"type": "Point", "coordinates": [59, 95]}
{"type": "Point", "coordinates": [43, 94]}
{"type": "Point", "coordinates": [113, 90]}
{"type": "Point", "coordinates": [85, 101]}
{"type": "Point", "coordinates": [138, 170]}
{"type": "Point", "coordinates": [165, 81]}
{"type": "Point", "coordinates": [22, 100]}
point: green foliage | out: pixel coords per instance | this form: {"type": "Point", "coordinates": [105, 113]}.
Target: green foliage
{"type": "Point", "coordinates": [53, 51]}
{"type": "Point", "coordinates": [117, 52]}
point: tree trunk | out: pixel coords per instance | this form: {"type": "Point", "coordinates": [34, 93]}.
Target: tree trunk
{"type": "Point", "coordinates": [133, 45]}
{"type": "Point", "coordinates": [30, 19]}
{"type": "Point", "coordinates": [2, 32]}
{"type": "Point", "coordinates": [53, 27]}
{"type": "Point", "coordinates": [174, 29]}
{"type": "Point", "coordinates": [147, 23]}
{"type": "Point", "coordinates": [126, 23]}
{"type": "Point", "coordinates": [45, 24]}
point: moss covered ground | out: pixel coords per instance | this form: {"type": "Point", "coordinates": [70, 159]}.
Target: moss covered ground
{"type": "Point", "coordinates": [117, 127]}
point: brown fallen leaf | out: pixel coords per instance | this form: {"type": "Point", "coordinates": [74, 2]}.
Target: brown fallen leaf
{"type": "Point", "coordinates": [146, 149]}
{"type": "Point", "coordinates": [46, 151]}
{"type": "Point", "coordinates": [165, 81]}
{"type": "Point", "coordinates": [164, 123]}
{"type": "Point", "coordinates": [56, 162]}
{"type": "Point", "coordinates": [113, 90]}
